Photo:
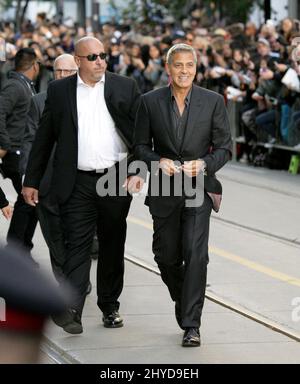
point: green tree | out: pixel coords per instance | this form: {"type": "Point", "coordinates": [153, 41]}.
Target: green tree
{"type": "Point", "coordinates": [230, 10]}
{"type": "Point", "coordinates": [21, 8]}
{"type": "Point", "coordinates": [4, 4]}
{"type": "Point", "coordinates": [233, 10]}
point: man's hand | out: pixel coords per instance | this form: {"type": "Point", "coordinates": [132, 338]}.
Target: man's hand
{"type": "Point", "coordinates": [281, 67]}
{"type": "Point", "coordinates": [7, 212]}
{"type": "Point", "coordinates": [267, 74]}
{"type": "Point", "coordinates": [193, 168]}
{"type": "Point", "coordinates": [168, 167]}
{"type": "Point", "coordinates": [3, 152]}
{"type": "Point", "coordinates": [257, 97]}
{"type": "Point", "coordinates": [31, 196]}
{"type": "Point", "coordinates": [134, 184]}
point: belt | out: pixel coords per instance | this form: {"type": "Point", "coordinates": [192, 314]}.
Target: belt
{"type": "Point", "coordinates": [98, 172]}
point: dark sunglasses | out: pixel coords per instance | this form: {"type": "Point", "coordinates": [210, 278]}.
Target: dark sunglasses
{"type": "Point", "coordinates": [93, 56]}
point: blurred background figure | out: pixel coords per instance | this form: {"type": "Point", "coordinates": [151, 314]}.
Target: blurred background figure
{"type": "Point", "coordinates": [27, 299]}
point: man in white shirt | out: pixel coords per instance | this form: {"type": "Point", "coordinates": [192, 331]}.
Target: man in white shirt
{"type": "Point", "coordinates": [91, 118]}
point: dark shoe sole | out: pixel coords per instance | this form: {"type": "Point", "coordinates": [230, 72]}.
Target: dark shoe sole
{"type": "Point", "coordinates": [67, 323]}
{"type": "Point", "coordinates": [73, 328]}
{"type": "Point", "coordinates": [120, 325]}
{"type": "Point", "coordinates": [191, 345]}
{"type": "Point", "coordinates": [61, 321]}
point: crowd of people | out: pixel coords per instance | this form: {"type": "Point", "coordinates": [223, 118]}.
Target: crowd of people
{"type": "Point", "coordinates": [185, 133]}
{"type": "Point", "coordinates": [254, 66]}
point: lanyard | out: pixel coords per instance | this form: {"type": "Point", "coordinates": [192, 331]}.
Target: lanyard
{"type": "Point", "coordinates": [23, 78]}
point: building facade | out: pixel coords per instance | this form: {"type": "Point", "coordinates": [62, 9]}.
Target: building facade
{"type": "Point", "coordinates": [280, 10]}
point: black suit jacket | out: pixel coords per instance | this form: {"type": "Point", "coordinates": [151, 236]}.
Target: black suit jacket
{"type": "Point", "coordinates": [59, 125]}
{"type": "Point", "coordinates": [207, 137]}
{"type": "Point", "coordinates": [33, 118]}
{"type": "Point", "coordinates": [15, 99]}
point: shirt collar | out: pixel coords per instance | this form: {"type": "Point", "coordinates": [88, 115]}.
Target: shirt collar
{"type": "Point", "coordinates": [188, 96]}
{"type": "Point", "coordinates": [81, 82]}
{"type": "Point", "coordinates": [22, 76]}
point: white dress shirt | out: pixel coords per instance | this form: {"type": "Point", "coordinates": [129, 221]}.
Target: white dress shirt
{"type": "Point", "coordinates": [99, 144]}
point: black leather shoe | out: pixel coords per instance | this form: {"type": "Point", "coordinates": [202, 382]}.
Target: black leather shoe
{"type": "Point", "coordinates": [112, 320]}
{"type": "Point", "coordinates": [69, 321]}
{"type": "Point", "coordinates": [89, 288]}
{"type": "Point", "coordinates": [191, 338]}
{"type": "Point", "coordinates": [178, 314]}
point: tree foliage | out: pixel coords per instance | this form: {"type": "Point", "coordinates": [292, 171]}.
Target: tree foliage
{"type": "Point", "coordinates": [152, 11]}
{"type": "Point", "coordinates": [20, 9]}
{"type": "Point", "coordinates": [233, 10]}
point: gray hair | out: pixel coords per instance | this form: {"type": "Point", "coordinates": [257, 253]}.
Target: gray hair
{"type": "Point", "coordinates": [180, 48]}
{"type": "Point", "coordinates": [64, 56]}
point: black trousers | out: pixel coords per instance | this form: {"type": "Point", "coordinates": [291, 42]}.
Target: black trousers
{"type": "Point", "coordinates": [180, 246]}
{"type": "Point", "coordinates": [81, 215]}
{"type": "Point", "coordinates": [24, 219]}
{"type": "Point", "coordinates": [51, 226]}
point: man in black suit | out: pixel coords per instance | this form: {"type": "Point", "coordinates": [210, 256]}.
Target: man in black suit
{"type": "Point", "coordinates": [183, 129]}
{"type": "Point", "coordinates": [47, 210]}
{"type": "Point", "coordinates": [90, 116]}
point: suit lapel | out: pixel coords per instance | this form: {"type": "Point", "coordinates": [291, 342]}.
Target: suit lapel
{"type": "Point", "coordinates": [195, 105]}
{"type": "Point", "coordinates": [108, 90]}
{"type": "Point", "coordinates": [164, 106]}
{"type": "Point", "coordinates": [73, 99]}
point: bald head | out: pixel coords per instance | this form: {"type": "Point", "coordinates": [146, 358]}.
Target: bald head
{"type": "Point", "coordinates": [86, 43]}
{"type": "Point", "coordinates": [64, 66]}
{"type": "Point", "coordinates": [90, 58]}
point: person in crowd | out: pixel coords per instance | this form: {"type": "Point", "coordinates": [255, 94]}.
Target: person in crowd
{"type": "Point", "coordinates": [287, 28]}
{"type": "Point", "coordinates": [154, 68]}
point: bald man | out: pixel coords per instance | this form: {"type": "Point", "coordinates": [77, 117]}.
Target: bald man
{"type": "Point", "coordinates": [91, 118]}
{"type": "Point", "coordinates": [48, 213]}
{"type": "Point", "coordinates": [64, 65]}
